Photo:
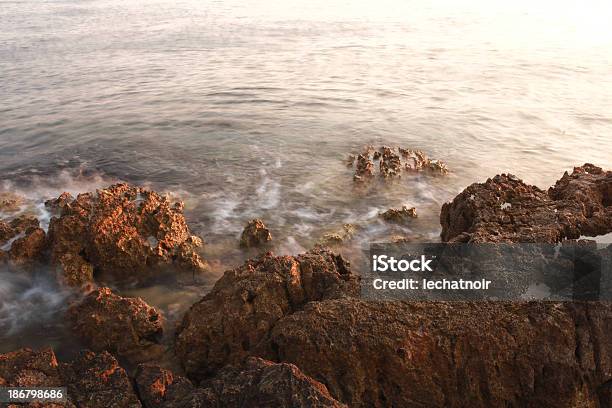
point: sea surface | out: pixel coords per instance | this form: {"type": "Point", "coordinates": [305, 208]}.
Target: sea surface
{"type": "Point", "coordinates": [249, 109]}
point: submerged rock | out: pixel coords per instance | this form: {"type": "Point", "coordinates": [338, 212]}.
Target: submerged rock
{"type": "Point", "coordinates": [255, 234]}
{"type": "Point", "coordinates": [10, 203]}
{"type": "Point", "coordinates": [390, 163]}
{"type": "Point", "coordinates": [246, 302]}
{"type": "Point", "coordinates": [127, 327]}
{"type": "Point", "coordinates": [262, 383]}
{"type": "Point", "coordinates": [124, 232]}
{"type": "Point", "coordinates": [365, 168]}
{"type": "Point", "coordinates": [399, 216]}
{"type": "Point", "coordinates": [339, 237]}
{"type": "Point", "coordinates": [505, 209]}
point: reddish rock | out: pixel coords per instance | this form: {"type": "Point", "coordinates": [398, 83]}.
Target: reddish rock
{"type": "Point", "coordinates": [3, 257]}
{"type": "Point", "coordinates": [504, 209]}
{"type": "Point", "coordinates": [391, 164]}
{"type": "Point", "coordinates": [246, 302]}
{"type": "Point", "coordinates": [57, 205]}
{"type": "Point", "coordinates": [123, 232]}
{"type": "Point", "coordinates": [23, 223]}
{"type": "Point", "coordinates": [255, 234]}
{"type": "Point", "coordinates": [379, 354]}
{"type": "Point", "coordinates": [6, 232]}
{"type": "Point", "coordinates": [29, 368]}
{"type": "Point", "coordinates": [399, 216]}
{"type": "Point", "coordinates": [28, 250]}
{"type": "Point", "coordinates": [258, 383]}
{"type": "Point", "coordinates": [10, 203]}
{"type": "Point", "coordinates": [127, 327]}
{"type": "Point", "coordinates": [97, 381]}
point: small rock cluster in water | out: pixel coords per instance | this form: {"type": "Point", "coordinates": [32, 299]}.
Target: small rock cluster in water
{"type": "Point", "coordinates": [390, 163]}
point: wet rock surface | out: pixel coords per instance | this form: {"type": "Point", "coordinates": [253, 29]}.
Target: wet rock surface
{"type": "Point", "coordinates": [255, 234]}
{"type": "Point", "coordinates": [246, 302]}
{"type": "Point", "coordinates": [344, 234]}
{"type": "Point", "coordinates": [505, 209]}
{"type": "Point", "coordinates": [127, 327]}
{"type": "Point", "coordinates": [10, 203]}
{"type": "Point", "coordinates": [393, 161]}
{"type": "Point", "coordinates": [123, 232]}
{"type": "Point", "coordinates": [399, 215]}
{"type": "Point", "coordinates": [29, 249]}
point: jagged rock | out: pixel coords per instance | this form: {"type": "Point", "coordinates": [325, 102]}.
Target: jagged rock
{"type": "Point", "coordinates": [97, 381]}
{"type": "Point", "coordinates": [161, 388]}
{"type": "Point", "coordinates": [399, 216]}
{"type": "Point", "coordinates": [246, 302]}
{"type": "Point", "coordinates": [390, 163]}
{"type": "Point", "coordinates": [127, 327]}
{"type": "Point", "coordinates": [10, 203]}
{"type": "Point", "coordinates": [123, 232]}
{"type": "Point", "coordinates": [478, 354]}
{"type": "Point", "coordinates": [56, 205]}
{"type": "Point", "coordinates": [19, 225]}
{"type": "Point", "coordinates": [339, 237]}
{"type": "Point", "coordinates": [255, 234]}
{"type": "Point", "coordinates": [73, 270]}
{"type": "Point", "coordinates": [505, 209]}
{"type": "Point", "coordinates": [6, 232]}
{"type": "Point", "coordinates": [257, 383]}
{"type": "Point", "coordinates": [29, 368]}
{"type": "Point", "coordinates": [28, 250]}
{"type": "Point", "coordinates": [365, 168]}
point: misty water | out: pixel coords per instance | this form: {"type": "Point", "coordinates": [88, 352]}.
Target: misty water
{"type": "Point", "coordinates": [249, 109]}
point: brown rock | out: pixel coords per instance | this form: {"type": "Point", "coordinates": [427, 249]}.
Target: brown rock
{"type": "Point", "coordinates": [399, 216]}
{"type": "Point", "coordinates": [255, 234]}
{"type": "Point", "coordinates": [28, 250]}
{"type": "Point", "coordinates": [3, 257]}
{"type": "Point", "coordinates": [365, 168]}
{"type": "Point", "coordinates": [127, 327]}
{"type": "Point", "coordinates": [97, 381]}
{"type": "Point", "coordinates": [124, 232]}
{"type": "Point", "coordinates": [246, 302]}
{"type": "Point", "coordinates": [257, 383]}
{"type": "Point", "coordinates": [504, 209]}
{"type": "Point", "coordinates": [390, 163]}
{"type": "Point", "coordinates": [57, 205]}
{"type": "Point", "coordinates": [339, 237]}
{"type": "Point", "coordinates": [29, 368]}
{"type": "Point", "coordinates": [6, 232]}
{"type": "Point", "coordinates": [483, 354]}
{"type": "Point", "coordinates": [23, 223]}
{"type": "Point", "coordinates": [10, 203]}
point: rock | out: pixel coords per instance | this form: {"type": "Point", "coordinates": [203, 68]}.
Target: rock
{"type": "Point", "coordinates": [246, 302]}
{"type": "Point", "coordinates": [124, 232]}
{"type": "Point", "coordinates": [161, 388]}
{"type": "Point", "coordinates": [72, 270]}
{"type": "Point", "coordinates": [255, 234]}
{"type": "Point", "coordinates": [127, 327]}
{"type": "Point", "coordinates": [57, 205]}
{"type": "Point", "coordinates": [390, 163]}
{"type": "Point", "coordinates": [29, 368]}
{"type": "Point", "coordinates": [23, 223]}
{"type": "Point", "coordinates": [365, 168]}
{"type": "Point", "coordinates": [350, 160]}
{"type": "Point", "coordinates": [479, 354]}
{"type": "Point", "coordinates": [6, 232]}
{"type": "Point", "coordinates": [10, 203]}
{"type": "Point", "coordinates": [339, 237]}
{"type": "Point", "coordinates": [97, 381]}
{"type": "Point", "coordinates": [28, 250]}
{"type": "Point", "coordinates": [262, 383]}
{"type": "Point", "coordinates": [399, 216]}
{"type": "Point", "coordinates": [505, 209]}
{"type": "Point", "coordinates": [3, 257]}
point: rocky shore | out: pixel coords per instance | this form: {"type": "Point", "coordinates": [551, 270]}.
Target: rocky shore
{"type": "Point", "coordinates": [292, 331]}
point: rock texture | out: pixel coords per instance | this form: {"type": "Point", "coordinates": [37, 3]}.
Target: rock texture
{"type": "Point", "coordinates": [255, 234]}
{"type": "Point", "coordinates": [127, 327]}
{"type": "Point", "coordinates": [10, 203]}
{"type": "Point", "coordinates": [259, 383]}
{"type": "Point", "coordinates": [340, 236]}
{"type": "Point", "coordinates": [399, 215]}
{"type": "Point", "coordinates": [393, 161]}
{"type": "Point", "coordinates": [97, 381]}
{"type": "Point", "coordinates": [246, 302]}
{"type": "Point", "coordinates": [29, 249]}
{"type": "Point", "coordinates": [92, 380]}
{"type": "Point", "coordinates": [124, 232]}
{"type": "Point", "coordinates": [505, 209]}
{"type": "Point", "coordinates": [451, 355]}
